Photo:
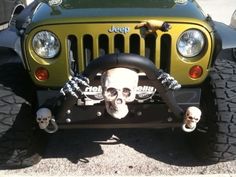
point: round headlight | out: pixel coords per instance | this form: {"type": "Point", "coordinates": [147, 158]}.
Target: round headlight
{"type": "Point", "coordinates": [190, 43]}
{"type": "Point", "coordinates": [46, 44]}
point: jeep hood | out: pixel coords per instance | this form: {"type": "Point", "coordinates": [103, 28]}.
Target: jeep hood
{"type": "Point", "coordinates": [90, 10]}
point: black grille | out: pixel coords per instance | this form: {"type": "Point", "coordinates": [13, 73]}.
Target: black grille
{"type": "Point", "coordinates": [156, 48]}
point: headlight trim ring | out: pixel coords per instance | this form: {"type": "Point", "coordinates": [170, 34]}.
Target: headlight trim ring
{"type": "Point", "coordinates": [46, 44]}
{"type": "Point", "coordinates": [191, 43]}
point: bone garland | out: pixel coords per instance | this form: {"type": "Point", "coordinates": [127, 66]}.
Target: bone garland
{"type": "Point", "coordinates": [118, 88]}
{"type": "Point", "coordinates": [73, 86]}
{"type": "Point", "coordinates": [168, 81]}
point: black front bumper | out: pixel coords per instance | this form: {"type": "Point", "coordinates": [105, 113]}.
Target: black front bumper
{"type": "Point", "coordinates": [152, 113]}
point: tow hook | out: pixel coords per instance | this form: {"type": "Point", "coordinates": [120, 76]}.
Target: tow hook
{"type": "Point", "coordinates": [46, 120]}
{"type": "Point", "coordinates": [191, 118]}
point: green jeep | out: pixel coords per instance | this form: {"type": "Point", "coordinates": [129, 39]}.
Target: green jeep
{"type": "Point", "coordinates": [117, 64]}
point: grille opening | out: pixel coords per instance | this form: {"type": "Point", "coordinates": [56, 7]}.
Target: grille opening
{"type": "Point", "coordinates": [103, 43]}
{"type": "Point", "coordinates": [150, 47]}
{"type": "Point", "coordinates": [119, 43]}
{"type": "Point", "coordinates": [88, 49]}
{"type": "Point", "coordinates": [165, 53]}
{"type": "Point", "coordinates": [134, 44]}
{"type": "Point", "coordinates": [73, 54]}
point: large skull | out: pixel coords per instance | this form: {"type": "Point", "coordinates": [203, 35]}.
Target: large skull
{"type": "Point", "coordinates": [192, 117]}
{"type": "Point", "coordinates": [119, 87]}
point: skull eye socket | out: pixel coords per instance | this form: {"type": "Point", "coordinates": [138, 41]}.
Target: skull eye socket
{"type": "Point", "coordinates": [112, 91]}
{"type": "Point", "coordinates": [190, 117]}
{"type": "Point", "coordinates": [126, 92]}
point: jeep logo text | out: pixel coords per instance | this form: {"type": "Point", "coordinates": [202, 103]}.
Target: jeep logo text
{"type": "Point", "coordinates": [122, 30]}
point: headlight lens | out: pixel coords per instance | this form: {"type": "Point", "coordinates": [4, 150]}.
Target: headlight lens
{"type": "Point", "coordinates": [190, 43]}
{"type": "Point", "coordinates": [46, 44]}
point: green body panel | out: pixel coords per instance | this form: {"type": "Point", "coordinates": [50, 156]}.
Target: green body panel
{"type": "Point", "coordinates": [96, 21]}
{"type": "Point", "coordinates": [72, 11]}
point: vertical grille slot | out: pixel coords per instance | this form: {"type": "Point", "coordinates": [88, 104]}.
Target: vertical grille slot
{"type": "Point", "coordinates": [119, 43]}
{"type": "Point", "coordinates": [103, 43]}
{"type": "Point", "coordinates": [87, 49]}
{"type": "Point", "coordinates": [73, 54]}
{"type": "Point", "coordinates": [165, 52]}
{"type": "Point", "coordinates": [134, 44]}
{"type": "Point", "coordinates": [150, 47]}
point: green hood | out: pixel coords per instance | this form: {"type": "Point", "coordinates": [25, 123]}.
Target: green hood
{"type": "Point", "coordinates": [82, 10]}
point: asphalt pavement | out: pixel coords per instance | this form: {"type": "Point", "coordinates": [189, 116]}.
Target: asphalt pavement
{"type": "Point", "coordinates": [132, 152]}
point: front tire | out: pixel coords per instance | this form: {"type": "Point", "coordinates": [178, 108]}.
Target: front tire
{"type": "Point", "coordinates": [218, 105]}
{"type": "Point", "coordinates": [21, 144]}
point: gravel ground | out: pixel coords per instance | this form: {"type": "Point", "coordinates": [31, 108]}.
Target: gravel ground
{"type": "Point", "coordinates": [121, 152]}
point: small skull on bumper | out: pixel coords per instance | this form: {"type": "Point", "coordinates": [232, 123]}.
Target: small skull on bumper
{"type": "Point", "coordinates": [191, 118]}
{"type": "Point", "coordinates": [44, 115]}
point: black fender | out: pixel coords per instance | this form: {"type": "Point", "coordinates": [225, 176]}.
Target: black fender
{"type": "Point", "coordinates": [225, 38]}
{"type": "Point", "coordinates": [10, 38]}
{"type": "Point", "coordinates": [227, 35]}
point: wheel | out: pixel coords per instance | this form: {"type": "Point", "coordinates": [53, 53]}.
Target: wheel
{"type": "Point", "coordinates": [21, 144]}
{"type": "Point", "coordinates": [218, 142]}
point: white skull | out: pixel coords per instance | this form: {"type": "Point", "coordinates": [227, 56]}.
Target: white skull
{"type": "Point", "coordinates": [119, 87]}
{"type": "Point", "coordinates": [44, 115]}
{"type": "Point", "coordinates": [192, 117]}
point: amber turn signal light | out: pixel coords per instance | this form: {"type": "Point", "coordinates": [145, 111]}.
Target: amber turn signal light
{"type": "Point", "coordinates": [195, 72]}
{"type": "Point", "coordinates": [42, 74]}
